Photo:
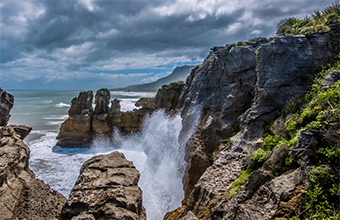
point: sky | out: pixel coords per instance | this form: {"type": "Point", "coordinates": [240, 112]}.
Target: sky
{"type": "Point", "coordinates": [92, 44]}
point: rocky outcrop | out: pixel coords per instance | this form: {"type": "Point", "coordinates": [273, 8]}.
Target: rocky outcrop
{"type": "Point", "coordinates": [82, 104]}
{"type": "Point", "coordinates": [167, 96]}
{"type": "Point", "coordinates": [77, 129]}
{"type": "Point", "coordinates": [102, 101]}
{"type": "Point", "coordinates": [283, 67]}
{"type": "Point", "coordinates": [21, 194]}
{"type": "Point", "coordinates": [223, 87]}
{"type": "Point", "coordinates": [6, 104]}
{"type": "Point", "coordinates": [146, 103]}
{"type": "Point", "coordinates": [331, 78]}
{"type": "Point", "coordinates": [127, 122]}
{"type": "Point", "coordinates": [107, 188]}
{"type": "Point", "coordinates": [239, 89]}
{"type": "Point", "coordinates": [84, 124]}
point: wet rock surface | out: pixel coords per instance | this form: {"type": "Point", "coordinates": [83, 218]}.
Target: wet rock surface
{"type": "Point", "coordinates": [107, 188]}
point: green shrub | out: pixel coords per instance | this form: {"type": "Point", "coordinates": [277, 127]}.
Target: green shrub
{"type": "Point", "coordinates": [226, 141]}
{"type": "Point", "coordinates": [307, 31]}
{"type": "Point", "coordinates": [271, 141]}
{"type": "Point", "coordinates": [241, 43]}
{"type": "Point", "coordinates": [259, 157]}
{"type": "Point", "coordinates": [240, 181]}
{"type": "Point", "coordinates": [285, 26]}
{"type": "Point", "coordinates": [317, 22]}
{"type": "Point", "coordinates": [323, 192]}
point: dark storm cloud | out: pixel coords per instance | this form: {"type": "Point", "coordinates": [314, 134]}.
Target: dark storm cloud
{"type": "Point", "coordinates": [53, 39]}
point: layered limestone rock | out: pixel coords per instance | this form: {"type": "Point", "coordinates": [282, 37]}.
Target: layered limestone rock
{"type": "Point", "coordinates": [77, 129]}
{"type": "Point", "coordinates": [6, 104]}
{"type": "Point", "coordinates": [84, 124]}
{"type": "Point", "coordinates": [167, 97]}
{"type": "Point", "coordinates": [283, 67]}
{"type": "Point", "coordinates": [21, 194]}
{"type": "Point", "coordinates": [101, 122]}
{"type": "Point", "coordinates": [240, 88]}
{"type": "Point", "coordinates": [127, 122]}
{"type": "Point", "coordinates": [222, 88]}
{"type": "Point", "coordinates": [148, 103]}
{"type": "Point", "coordinates": [107, 188]}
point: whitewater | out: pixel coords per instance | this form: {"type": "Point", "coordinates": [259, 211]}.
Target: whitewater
{"type": "Point", "coordinates": [155, 151]}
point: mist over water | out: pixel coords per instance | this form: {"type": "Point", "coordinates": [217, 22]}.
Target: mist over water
{"type": "Point", "coordinates": [158, 156]}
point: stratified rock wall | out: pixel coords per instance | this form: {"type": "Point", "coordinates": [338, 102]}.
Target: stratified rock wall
{"type": "Point", "coordinates": [167, 96]}
{"type": "Point", "coordinates": [107, 188]}
{"type": "Point", "coordinates": [239, 89]}
{"type": "Point", "coordinates": [21, 194]}
{"type": "Point", "coordinates": [223, 87]}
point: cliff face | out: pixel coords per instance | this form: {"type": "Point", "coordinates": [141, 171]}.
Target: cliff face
{"type": "Point", "coordinates": [239, 90]}
{"type": "Point", "coordinates": [21, 194]}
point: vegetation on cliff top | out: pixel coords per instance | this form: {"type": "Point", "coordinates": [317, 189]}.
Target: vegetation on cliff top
{"type": "Point", "coordinates": [317, 22]}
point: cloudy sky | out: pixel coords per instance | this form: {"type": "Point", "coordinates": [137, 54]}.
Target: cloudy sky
{"type": "Point", "coordinates": [90, 44]}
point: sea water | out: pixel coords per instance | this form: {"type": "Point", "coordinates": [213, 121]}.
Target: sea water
{"type": "Point", "coordinates": [155, 151]}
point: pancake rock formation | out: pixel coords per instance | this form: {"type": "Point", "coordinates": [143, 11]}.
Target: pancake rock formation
{"type": "Point", "coordinates": [107, 188]}
{"type": "Point", "coordinates": [239, 89]}
{"type": "Point", "coordinates": [84, 124]}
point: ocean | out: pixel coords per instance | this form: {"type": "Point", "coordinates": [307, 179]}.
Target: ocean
{"type": "Point", "coordinates": [161, 168]}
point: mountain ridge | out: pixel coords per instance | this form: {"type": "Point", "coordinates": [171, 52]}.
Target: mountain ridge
{"type": "Point", "coordinates": [180, 73]}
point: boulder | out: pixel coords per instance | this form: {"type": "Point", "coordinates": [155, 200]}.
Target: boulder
{"type": "Point", "coordinates": [127, 122]}
{"type": "Point", "coordinates": [331, 78]}
{"type": "Point", "coordinates": [309, 142]}
{"type": "Point", "coordinates": [21, 194]}
{"type": "Point", "coordinates": [115, 106]}
{"type": "Point", "coordinates": [107, 188]}
{"type": "Point", "coordinates": [6, 104]}
{"type": "Point", "coordinates": [277, 160]}
{"type": "Point", "coordinates": [100, 125]}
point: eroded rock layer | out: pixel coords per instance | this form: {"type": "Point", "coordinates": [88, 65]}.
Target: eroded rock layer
{"type": "Point", "coordinates": [239, 89]}
{"type": "Point", "coordinates": [107, 188]}
{"type": "Point", "coordinates": [84, 124]}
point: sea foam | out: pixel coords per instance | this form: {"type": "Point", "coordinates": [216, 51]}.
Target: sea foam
{"type": "Point", "coordinates": [61, 105]}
